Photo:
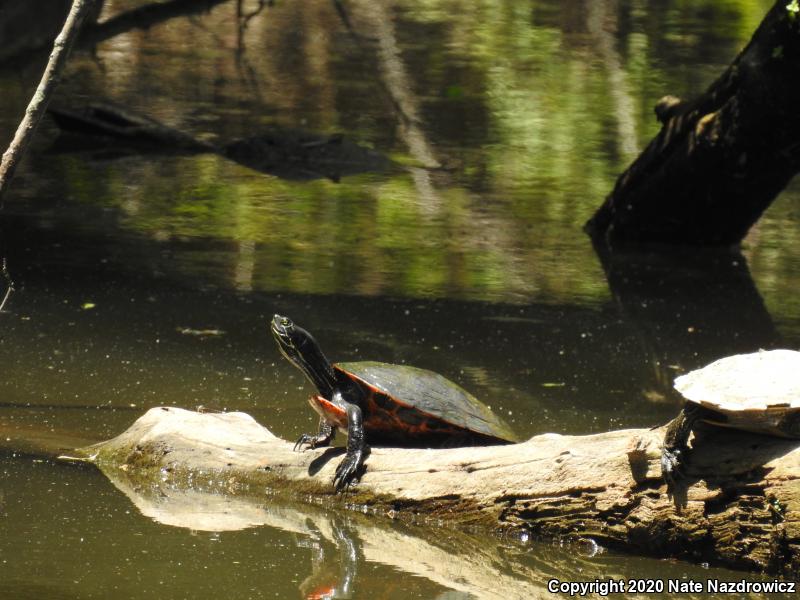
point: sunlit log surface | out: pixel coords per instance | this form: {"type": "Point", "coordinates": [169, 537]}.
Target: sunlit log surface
{"type": "Point", "coordinates": [740, 508]}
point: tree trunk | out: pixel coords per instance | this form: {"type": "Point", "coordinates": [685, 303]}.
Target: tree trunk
{"type": "Point", "coordinates": [720, 160]}
{"type": "Point", "coordinates": [740, 508]}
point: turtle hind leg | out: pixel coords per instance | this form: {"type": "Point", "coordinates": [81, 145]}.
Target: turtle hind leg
{"type": "Point", "coordinates": [323, 437]}
{"type": "Point", "coordinates": [675, 449]}
{"type": "Point", "coordinates": [349, 470]}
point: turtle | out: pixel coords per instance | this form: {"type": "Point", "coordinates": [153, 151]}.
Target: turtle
{"type": "Point", "coordinates": [758, 392]}
{"type": "Point", "coordinates": [383, 404]}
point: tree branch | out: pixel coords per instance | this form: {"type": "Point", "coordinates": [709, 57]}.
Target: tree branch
{"type": "Point", "coordinates": [41, 97]}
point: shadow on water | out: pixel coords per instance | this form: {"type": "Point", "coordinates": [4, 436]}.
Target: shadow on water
{"type": "Point", "coordinates": [687, 307]}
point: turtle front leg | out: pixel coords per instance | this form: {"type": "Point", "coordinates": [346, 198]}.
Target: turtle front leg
{"type": "Point", "coordinates": [323, 437]}
{"type": "Point", "coordinates": [675, 448]}
{"type": "Point", "coordinates": [349, 469]}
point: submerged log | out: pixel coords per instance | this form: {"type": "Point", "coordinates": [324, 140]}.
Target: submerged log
{"type": "Point", "coordinates": [117, 122]}
{"type": "Point", "coordinates": [720, 159]}
{"type": "Point", "coordinates": [287, 153]}
{"type": "Point", "coordinates": [741, 506]}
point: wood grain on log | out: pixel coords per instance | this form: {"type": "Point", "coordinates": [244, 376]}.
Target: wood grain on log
{"type": "Point", "coordinates": [741, 506]}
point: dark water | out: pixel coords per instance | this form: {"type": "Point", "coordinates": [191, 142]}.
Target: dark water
{"type": "Point", "coordinates": [144, 278]}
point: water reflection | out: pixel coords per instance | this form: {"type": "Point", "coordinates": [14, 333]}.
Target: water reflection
{"type": "Point", "coordinates": [512, 121]}
{"type": "Point", "coordinates": [683, 305]}
{"type": "Point", "coordinates": [107, 326]}
{"type": "Point", "coordinates": [343, 544]}
{"type": "Point", "coordinates": [160, 540]}
{"type": "Point", "coordinates": [542, 368]}
{"type": "Point", "coordinates": [107, 130]}
{"type": "Point", "coordinates": [530, 137]}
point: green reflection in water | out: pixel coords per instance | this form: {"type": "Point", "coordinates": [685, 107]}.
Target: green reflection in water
{"type": "Point", "coordinates": [536, 107]}
{"type": "Point", "coordinates": [533, 107]}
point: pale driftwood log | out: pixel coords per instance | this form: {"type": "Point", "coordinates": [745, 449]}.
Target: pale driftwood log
{"type": "Point", "coordinates": [744, 512]}
{"type": "Point", "coordinates": [485, 567]}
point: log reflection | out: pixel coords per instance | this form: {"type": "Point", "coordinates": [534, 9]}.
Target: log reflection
{"type": "Point", "coordinates": [688, 307]}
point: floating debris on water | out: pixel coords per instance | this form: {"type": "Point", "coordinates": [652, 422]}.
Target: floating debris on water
{"type": "Point", "coordinates": [201, 333]}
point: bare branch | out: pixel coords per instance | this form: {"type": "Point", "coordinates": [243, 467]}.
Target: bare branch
{"type": "Point", "coordinates": [41, 97]}
{"type": "Point", "coordinates": [9, 284]}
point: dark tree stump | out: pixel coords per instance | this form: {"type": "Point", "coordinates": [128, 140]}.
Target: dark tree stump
{"type": "Point", "coordinates": [721, 159]}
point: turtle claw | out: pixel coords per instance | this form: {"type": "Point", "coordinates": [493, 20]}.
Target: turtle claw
{"type": "Point", "coordinates": [347, 471]}
{"type": "Point", "coordinates": [305, 440]}
{"type": "Point", "coordinates": [672, 466]}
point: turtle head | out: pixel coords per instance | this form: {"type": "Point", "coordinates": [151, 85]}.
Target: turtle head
{"type": "Point", "coordinates": [303, 351]}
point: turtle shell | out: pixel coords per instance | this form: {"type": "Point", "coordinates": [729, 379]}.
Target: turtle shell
{"type": "Point", "coordinates": [757, 392]}
{"type": "Point", "coordinates": [407, 405]}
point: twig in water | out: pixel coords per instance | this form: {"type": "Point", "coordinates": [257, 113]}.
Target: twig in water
{"type": "Point", "coordinates": [9, 283]}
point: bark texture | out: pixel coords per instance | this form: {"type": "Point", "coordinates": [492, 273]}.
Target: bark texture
{"type": "Point", "coordinates": [721, 159]}
{"type": "Point", "coordinates": [740, 506]}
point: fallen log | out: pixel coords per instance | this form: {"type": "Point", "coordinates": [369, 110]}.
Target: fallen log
{"type": "Point", "coordinates": [740, 507]}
